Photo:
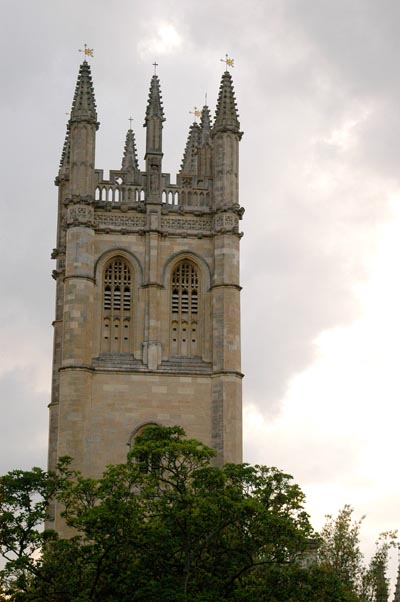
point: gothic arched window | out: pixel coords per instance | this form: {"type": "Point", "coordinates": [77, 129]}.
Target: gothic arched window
{"type": "Point", "coordinates": [147, 462]}
{"type": "Point", "coordinates": [117, 307]}
{"type": "Point", "coordinates": [185, 289]}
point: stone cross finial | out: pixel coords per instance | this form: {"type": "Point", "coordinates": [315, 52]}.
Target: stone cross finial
{"type": "Point", "coordinates": [87, 51]}
{"type": "Point", "coordinates": [130, 122]}
{"type": "Point", "coordinates": [155, 65]}
{"type": "Point", "coordinates": [228, 62]}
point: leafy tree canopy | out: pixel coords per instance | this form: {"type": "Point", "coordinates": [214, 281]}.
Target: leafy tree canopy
{"type": "Point", "coordinates": [166, 525]}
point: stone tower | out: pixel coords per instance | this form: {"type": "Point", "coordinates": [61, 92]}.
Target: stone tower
{"type": "Point", "coordinates": [147, 325]}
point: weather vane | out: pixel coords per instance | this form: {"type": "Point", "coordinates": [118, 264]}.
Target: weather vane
{"type": "Point", "coordinates": [155, 65]}
{"type": "Point", "coordinates": [228, 62]}
{"type": "Point", "coordinates": [87, 51]}
{"type": "Point", "coordinates": [196, 113]}
{"type": "Point", "coordinates": [130, 122]}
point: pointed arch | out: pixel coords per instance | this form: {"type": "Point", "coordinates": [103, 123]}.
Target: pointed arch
{"type": "Point", "coordinates": [117, 306]}
{"type": "Point", "coordinates": [197, 260]}
{"type": "Point", "coordinates": [184, 309]}
{"type": "Point", "coordinates": [103, 259]}
{"type": "Point", "coordinates": [138, 430]}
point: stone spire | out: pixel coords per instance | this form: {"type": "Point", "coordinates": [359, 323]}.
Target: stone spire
{"type": "Point", "coordinates": [205, 126]}
{"type": "Point", "coordinates": [226, 135]}
{"type": "Point", "coordinates": [82, 138]}
{"type": "Point", "coordinates": [226, 115]}
{"type": "Point", "coordinates": [397, 590]}
{"type": "Point", "coordinates": [154, 102]}
{"type": "Point", "coordinates": [189, 161]}
{"type": "Point", "coordinates": [66, 151]}
{"type": "Point", "coordinates": [84, 104]}
{"type": "Point", "coordinates": [153, 123]}
{"type": "Point", "coordinates": [129, 159]}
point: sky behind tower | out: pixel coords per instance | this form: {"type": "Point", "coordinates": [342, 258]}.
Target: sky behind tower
{"type": "Point", "coordinates": [318, 97]}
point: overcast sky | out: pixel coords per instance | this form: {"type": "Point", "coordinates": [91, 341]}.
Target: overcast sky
{"type": "Point", "coordinates": [318, 94]}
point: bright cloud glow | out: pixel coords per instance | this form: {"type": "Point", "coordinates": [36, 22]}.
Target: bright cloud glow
{"type": "Point", "coordinates": [345, 136]}
{"type": "Point", "coordinates": [342, 414]}
{"type": "Point", "coordinates": [166, 41]}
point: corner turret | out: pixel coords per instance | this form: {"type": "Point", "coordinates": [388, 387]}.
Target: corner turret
{"type": "Point", "coordinates": [226, 135]}
{"type": "Point", "coordinates": [153, 123]}
{"type": "Point", "coordinates": [83, 125]}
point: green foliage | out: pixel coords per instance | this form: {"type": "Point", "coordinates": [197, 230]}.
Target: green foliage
{"type": "Point", "coordinates": [339, 551]}
{"type": "Point", "coordinates": [340, 547]}
{"type": "Point", "coordinates": [168, 525]}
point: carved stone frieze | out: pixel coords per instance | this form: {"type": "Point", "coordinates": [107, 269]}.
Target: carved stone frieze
{"type": "Point", "coordinates": [114, 221]}
{"type": "Point", "coordinates": [199, 224]}
{"type": "Point", "coordinates": [226, 221]}
{"type": "Point", "coordinates": [80, 214]}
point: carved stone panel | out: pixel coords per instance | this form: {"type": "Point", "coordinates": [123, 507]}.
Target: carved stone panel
{"type": "Point", "coordinates": [116, 221]}
{"type": "Point", "coordinates": [226, 221]}
{"type": "Point", "coordinates": [80, 215]}
{"type": "Point", "coordinates": [199, 224]}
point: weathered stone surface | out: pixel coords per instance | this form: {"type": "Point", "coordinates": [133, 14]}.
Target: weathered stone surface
{"type": "Point", "coordinates": [114, 365]}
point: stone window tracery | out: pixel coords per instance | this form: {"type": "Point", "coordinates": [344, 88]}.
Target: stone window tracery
{"type": "Point", "coordinates": [117, 307]}
{"type": "Point", "coordinates": [185, 288]}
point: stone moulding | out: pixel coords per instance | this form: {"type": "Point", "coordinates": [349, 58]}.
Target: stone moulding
{"type": "Point", "coordinates": [118, 221]}
{"type": "Point", "coordinates": [204, 224]}
{"type": "Point", "coordinates": [187, 223]}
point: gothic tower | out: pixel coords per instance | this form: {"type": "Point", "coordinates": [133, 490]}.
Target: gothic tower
{"type": "Point", "coordinates": [147, 325]}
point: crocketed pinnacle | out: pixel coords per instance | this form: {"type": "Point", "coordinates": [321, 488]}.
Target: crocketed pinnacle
{"type": "Point", "coordinates": [189, 161]}
{"type": "Point", "coordinates": [84, 104]}
{"type": "Point", "coordinates": [154, 103]}
{"type": "Point", "coordinates": [205, 125]}
{"type": "Point", "coordinates": [226, 115]}
{"type": "Point", "coordinates": [129, 159]}
{"type": "Point", "coordinates": [65, 154]}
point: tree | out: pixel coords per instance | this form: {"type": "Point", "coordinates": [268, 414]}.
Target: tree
{"type": "Point", "coordinates": [339, 551]}
{"type": "Point", "coordinates": [340, 547]}
{"type": "Point", "coordinates": [166, 525]}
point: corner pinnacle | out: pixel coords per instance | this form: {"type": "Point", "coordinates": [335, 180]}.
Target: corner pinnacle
{"type": "Point", "coordinates": [226, 115]}
{"type": "Point", "coordinates": [154, 103]}
{"type": "Point", "coordinates": [84, 104]}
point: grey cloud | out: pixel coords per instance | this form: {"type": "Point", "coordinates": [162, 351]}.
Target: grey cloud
{"type": "Point", "coordinates": [23, 441]}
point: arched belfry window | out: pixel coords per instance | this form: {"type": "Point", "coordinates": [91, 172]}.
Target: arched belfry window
{"type": "Point", "coordinates": [185, 290]}
{"type": "Point", "coordinates": [117, 307]}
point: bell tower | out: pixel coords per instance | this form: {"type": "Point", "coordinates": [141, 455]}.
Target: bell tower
{"type": "Point", "coordinates": [147, 324]}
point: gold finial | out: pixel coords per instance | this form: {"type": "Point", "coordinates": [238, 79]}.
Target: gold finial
{"type": "Point", "coordinates": [196, 113]}
{"type": "Point", "coordinates": [228, 62]}
{"type": "Point", "coordinates": [87, 51]}
{"type": "Point", "coordinates": [130, 122]}
{"type": "Point", "coordinates": [155, 65]}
